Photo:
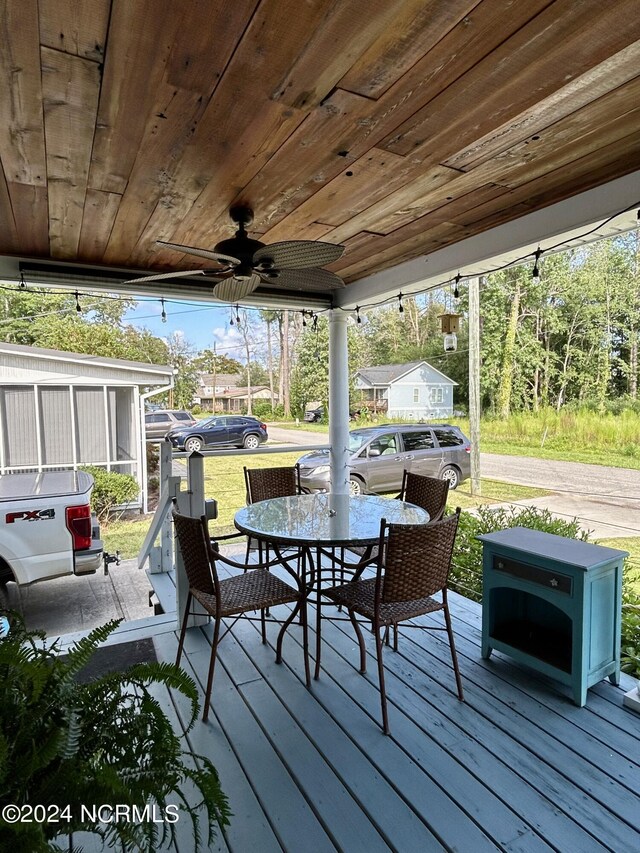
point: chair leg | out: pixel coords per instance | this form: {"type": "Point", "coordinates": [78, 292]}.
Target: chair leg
{"type": "Point", "coordinates": [212, 664]}
{"type": "Point", "coordinates": [282, 630]}
{"type": "Point", "coordinates": [263, 625]}
{"type": "Point", "coordinates": [305, 642]}
{"type": "Point", "coordinates": [183, 629]}
{"type": "Point", "coordinates": [363, 651]}
{"type": "Point", "coordinates": [395, 636]}
{"type": "Point", "coordinates": [383, 693]}
{"type": "Point", "coordinates": [454, 656]}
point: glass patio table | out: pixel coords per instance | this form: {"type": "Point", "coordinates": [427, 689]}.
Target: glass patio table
{"type": "Point", "coordinates": [320, 524]}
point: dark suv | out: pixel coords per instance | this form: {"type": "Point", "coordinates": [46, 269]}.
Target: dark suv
{"type": "Point", "coordinates": [380, 454]}
{"type": "Point", "coordinates": [219, 431]}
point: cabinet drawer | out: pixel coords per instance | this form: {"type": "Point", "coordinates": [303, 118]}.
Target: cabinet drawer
{"type": "Point", "coordinates": [543, 577]}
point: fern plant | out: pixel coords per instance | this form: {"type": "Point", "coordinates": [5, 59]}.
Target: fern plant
{"type": "Point", "coordinates": [69, 744]}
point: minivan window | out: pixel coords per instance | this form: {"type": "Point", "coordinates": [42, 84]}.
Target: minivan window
{"type": "Point", "coordinates": [357, 439]}
{"type": "Point", "coordinates": [386, 444]}
{"type": "Point", "coordinates": [417, 440]}
{"type": "Point", "coordinates": [448, 437]}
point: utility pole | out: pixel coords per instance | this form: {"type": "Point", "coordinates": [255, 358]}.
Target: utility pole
{"type": "Point", "coordinates": [215, 371]}
{"type": "Point", "coordinates": [474, 382]}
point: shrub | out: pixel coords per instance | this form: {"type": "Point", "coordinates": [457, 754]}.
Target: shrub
{"type": "Point", "coordinates": [67, 741]}
{"type": "Point", "coordinates": [196, 409]}
{"type": "Point", "coordinates": [630, 646]}
{"type": "Point", "coordinates": [262, 409]}
{"type": "Point", "coordinates": [110, 490]}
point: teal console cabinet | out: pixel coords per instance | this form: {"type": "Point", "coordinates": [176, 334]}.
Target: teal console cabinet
{"type": "Point", "coordinates": [554, 604]}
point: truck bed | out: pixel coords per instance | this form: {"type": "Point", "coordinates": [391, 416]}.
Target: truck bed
{"type": "Point", "coordinates": [46, 484]}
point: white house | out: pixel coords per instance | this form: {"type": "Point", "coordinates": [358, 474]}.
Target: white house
{"type": "Point", "coordinates": [416, 390]}
{"type": "Point", "coordinates": [227, 392]}
{"type": "Point", "coordinates": [61, 410]}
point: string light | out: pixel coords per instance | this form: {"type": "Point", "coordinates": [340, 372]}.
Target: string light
{"type": "Point", "coordinates": [304, 319]}
{"type": "Point", "coordinates": [535, 274]}
{"type": "Point", "coordinates": [513, 263]}
{"type": "Point", "coordinates": [164, 313]}
{"type": "Point", "coordinates": [315, 322]}
{"type": "Point", "coordinates": [456, 290]}
{"type": "Point", "coordinates": [237, 316]}
{"type": "Point", "coordinates": [358, 317]}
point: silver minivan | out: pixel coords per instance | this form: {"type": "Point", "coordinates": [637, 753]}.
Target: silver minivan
{"type": "Point", "coordinates": [380, 454]}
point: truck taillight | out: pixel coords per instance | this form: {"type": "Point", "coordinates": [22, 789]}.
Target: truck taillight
{"type": "Point", "coordinates": [79, 525]}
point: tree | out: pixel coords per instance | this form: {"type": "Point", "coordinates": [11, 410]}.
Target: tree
{"type": "Point", "coordinates": [186, 376]}
{"type": "Point", "coordinates": [208, 361]}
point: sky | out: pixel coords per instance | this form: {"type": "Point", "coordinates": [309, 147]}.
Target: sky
{"type": "Point", "coordinates": [200, 324]}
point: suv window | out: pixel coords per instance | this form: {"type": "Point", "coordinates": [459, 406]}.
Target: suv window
{"type": "Point", "coordinates": [448, 437]}
{"type": "Point", "coordinates": [386, 444]}
{"type": "Point", "coordinates": [417, 440]}
{"type": "Point", "coordinates": [182, 416]}
{"type": "Point", "coordinates": [156, 419]}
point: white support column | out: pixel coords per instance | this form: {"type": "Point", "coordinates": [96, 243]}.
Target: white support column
{"type": "Point", "coordinates": [339, 402]}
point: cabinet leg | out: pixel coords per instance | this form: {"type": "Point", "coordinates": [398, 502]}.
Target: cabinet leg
{"type": "Point", "coordinates": [486, 651]}
{"type": "Point", "coordinates": [614, 678]}
{"type": "Point", "coordinates": [580, 695]}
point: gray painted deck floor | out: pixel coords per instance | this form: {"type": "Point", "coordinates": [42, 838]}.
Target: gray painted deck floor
{"type": "Point", "coordinates": [515, 767]}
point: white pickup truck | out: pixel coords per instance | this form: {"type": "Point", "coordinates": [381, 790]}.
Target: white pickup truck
{"type": "Point", "coordinates": [46, 526]}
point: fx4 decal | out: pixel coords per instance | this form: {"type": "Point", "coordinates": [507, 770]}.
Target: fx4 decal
{"type": "Point", "coordinates": [30, 515]}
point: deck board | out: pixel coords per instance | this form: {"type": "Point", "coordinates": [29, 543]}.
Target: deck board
{"type": "Point", "coordinates": [516, 767]}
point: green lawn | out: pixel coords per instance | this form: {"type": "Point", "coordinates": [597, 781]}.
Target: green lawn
{"type": "Point", "coordinates": [632, 545]}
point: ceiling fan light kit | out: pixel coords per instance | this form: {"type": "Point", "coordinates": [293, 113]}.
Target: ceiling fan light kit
{"type": "Point", "coordinates": [243, 264]}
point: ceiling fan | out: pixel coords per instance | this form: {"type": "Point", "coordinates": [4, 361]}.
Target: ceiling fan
{"type": "Point", "coordinates": [242, 264]}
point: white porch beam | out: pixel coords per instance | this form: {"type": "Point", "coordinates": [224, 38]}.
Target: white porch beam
{"type": "Point", "coordinates": [339, 402]}
{"type": "Point", "coordinates": [564, 221]}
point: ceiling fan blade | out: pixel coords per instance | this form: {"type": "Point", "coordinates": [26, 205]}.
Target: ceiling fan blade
{"type": "Point", "coordinates": [312, 279]}
{"type": "Point", "coordinates": [235, 289]}
{"type": "Point", "coordinates": [299, 254]}
{"type": "Point", "coordinates": [227, 260]}
{"type": "Point", "coordinates": [161, 276]}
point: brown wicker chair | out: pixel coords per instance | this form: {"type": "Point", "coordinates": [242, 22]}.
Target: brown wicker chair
{"type": "Point", "coordinates": [233, 596]}
{"type": "Point", "coordinates": [429, 493]}
{"type": "Point", "coordinates": [265, 483]}
{"type": "Point", "coordinates": [414, 566]}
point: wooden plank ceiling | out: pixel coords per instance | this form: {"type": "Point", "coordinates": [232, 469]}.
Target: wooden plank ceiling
{"type": "Point", "coordinates": [395, 127]}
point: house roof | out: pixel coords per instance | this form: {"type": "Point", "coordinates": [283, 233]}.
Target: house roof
{"type": "Point", "coordinates": [387, 374]}
{"type": "Point", "coordinates": [398, 129]}
{"type": "Point", "coordinates": [227, 379]}
{"type": "Point", "coordinates": [164, 371]}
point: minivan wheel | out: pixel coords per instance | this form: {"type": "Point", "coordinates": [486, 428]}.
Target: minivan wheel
{"type": "Point", "coordinates": [451, 474]}
{"type": "Point", "coordinates": [251, 442]}
{"type": "Point", "coordinates": [193, 445]}
{"type": "Point", "coordinates": [356, 486]}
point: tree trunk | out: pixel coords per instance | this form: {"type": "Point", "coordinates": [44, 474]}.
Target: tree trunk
{"type": "Point", "coordinates": [270, 364]}
{"type": "Point", "coordinates": [505, 384]}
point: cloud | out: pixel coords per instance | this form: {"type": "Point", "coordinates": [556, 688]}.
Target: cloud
{"type": "Point", "coordinates": [227, 338]}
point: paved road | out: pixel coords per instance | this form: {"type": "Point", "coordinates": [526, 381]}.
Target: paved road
{"type": "Point", "coordinates": [606, 500]}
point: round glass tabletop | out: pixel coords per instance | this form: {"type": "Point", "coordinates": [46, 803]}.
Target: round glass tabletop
{"type": "Point", "coordinates": [325, 519]}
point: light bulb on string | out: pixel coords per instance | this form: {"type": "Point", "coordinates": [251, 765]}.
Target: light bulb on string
{"type": "Point", "coordinates": [78, 306]}
{"type": "Point", "coordinates": [358, 317]}
{"type": "Point", "coordinates": [164, 313]}
{"type": "Point", "coordinates": [535, 273]}
{"type": "Point", "coordinates": [304, 319]}
{"type": "Point", "coordinates": [456, 290]}
{"type": "Point", "coordinates": [400, 305]}
{"type": "Point", "coordinates": [23, 283]}
{"type": "Point", "coordinates": [237, 316]}
{"type": "Point", "coordinates": [315, 322]}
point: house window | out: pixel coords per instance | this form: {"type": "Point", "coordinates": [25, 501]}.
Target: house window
{"type": "Point", "coordinates": [416, 395]}
{"type": "Point", "coordinates": [435, 395]}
